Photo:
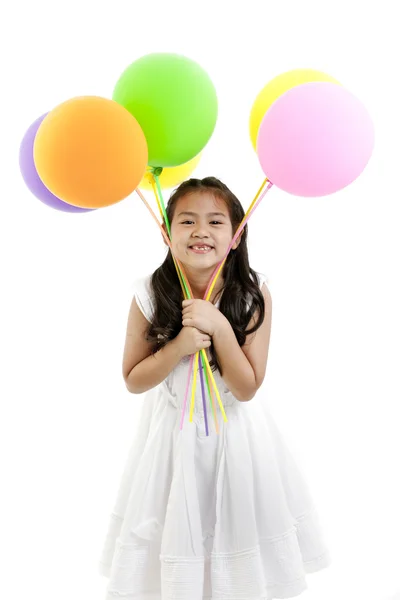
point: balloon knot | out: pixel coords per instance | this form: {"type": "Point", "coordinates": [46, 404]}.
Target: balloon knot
{"type": "Point", "coordinates": [157, 171]}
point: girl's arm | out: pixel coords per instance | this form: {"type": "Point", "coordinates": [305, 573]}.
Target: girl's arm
{"type": "Point", "coordinates": [141, 370]}
{"type": "Point", "coordinates": [243, 368]}
{"type": "Point", "coordinates": [154, 369]}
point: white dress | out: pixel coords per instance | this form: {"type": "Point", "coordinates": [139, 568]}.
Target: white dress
{"type": "Point", "coordinates": [226, 516]}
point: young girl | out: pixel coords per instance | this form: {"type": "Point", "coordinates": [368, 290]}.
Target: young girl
{"type": "Point", "coordinates": [227, 515]}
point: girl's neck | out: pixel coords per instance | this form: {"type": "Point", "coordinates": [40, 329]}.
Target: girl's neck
{"type": "Point", "coordinates": [199, 285]}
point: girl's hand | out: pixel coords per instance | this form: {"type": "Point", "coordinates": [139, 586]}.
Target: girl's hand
{"type": "Point", "coordinates": [203, 315]}
{"type": "Point", "coordinates": [191, 340]}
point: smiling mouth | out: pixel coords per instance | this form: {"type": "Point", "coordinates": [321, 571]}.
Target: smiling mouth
{"type": "Point", "coordinates": [200, 249]}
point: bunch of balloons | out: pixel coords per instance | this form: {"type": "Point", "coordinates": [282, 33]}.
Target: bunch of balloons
{"type": "Point", "coordinates": [312, 138]}
{"type": "Point", "coordinates": [91, 152]}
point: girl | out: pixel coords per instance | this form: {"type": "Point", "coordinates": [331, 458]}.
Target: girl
{"type": "Point", "coordinates": [227, 515]}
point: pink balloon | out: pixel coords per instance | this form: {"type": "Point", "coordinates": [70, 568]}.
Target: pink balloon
{"type": "Point", "coordinates": [316, 139]}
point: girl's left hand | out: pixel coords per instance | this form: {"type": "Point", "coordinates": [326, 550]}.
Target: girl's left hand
{"type": "Point", "coordinates": [203, 315]}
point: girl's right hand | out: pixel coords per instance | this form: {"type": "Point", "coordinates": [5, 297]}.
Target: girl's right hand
{"type": "Point", "coordinates": [191, 340]}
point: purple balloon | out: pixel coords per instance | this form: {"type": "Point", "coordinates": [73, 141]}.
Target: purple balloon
{"type": "Point", "coordinates": [31, 177]}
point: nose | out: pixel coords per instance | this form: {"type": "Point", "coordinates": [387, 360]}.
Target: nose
{"type": "Point", "coordinates": [200, 235]}
{"type": "Point", "coordinates": [200, 231]}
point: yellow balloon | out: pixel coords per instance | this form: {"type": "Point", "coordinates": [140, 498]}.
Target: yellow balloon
{"type": "Point", "coordinates": [171, 176]}
{"type": "Point", "coordinates": [275, 88]}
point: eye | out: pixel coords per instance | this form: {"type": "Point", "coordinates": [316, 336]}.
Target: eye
{"type": "Point", "coordinates": [217, 222]}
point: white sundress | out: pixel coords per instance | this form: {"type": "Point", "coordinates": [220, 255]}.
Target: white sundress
{"type": "Point", "coordinates": [226, 516]}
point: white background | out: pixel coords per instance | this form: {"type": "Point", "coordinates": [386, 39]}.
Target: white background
{"type": "Point", "coordinates": [333, 373]}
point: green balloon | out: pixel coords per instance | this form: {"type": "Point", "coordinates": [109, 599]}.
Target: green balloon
{"type": "Point", "coordinates": [175, 103]}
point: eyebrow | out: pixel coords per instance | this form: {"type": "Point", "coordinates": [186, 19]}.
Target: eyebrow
{"type": "Point", "coordinates": [193, 214]}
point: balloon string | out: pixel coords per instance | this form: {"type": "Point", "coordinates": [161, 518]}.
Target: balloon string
{"type": "Point", "coordinates": [186, 293]}
{"type": "Point", "coordinates": [161, 201]}
{"type": "Point", "coordinates": [217, 271]}
{"type": "Point", "coordinates": [249, 212]}
{"type": "Point", "coordinates": [178, 264]}
{"type": "Point", "coordinates": [159, 191]}
{"type": "Point", "coordinates": [211, 396]}
{"type": "Point", "coordinates": [210, 392]}
{"type": "Point", "coordinates": [259, 196]}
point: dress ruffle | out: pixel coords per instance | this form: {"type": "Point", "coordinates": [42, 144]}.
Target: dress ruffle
{"type": "Point", "coordinates": [219, 516]}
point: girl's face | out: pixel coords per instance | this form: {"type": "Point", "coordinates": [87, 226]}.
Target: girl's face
{"type": "Point", "coordinates": [200, 219]}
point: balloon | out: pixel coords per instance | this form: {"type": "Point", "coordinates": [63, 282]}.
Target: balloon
{"type": "Point", "coordinates": [171, 176]}
{"type": "Point", "coordinates": [316, 139]}
{"type": "Point", "coordinates": [175, 103]}
{"type": "Point", "coordinates": [275, 88]}
{"type": "Point", "coordinates": [90, 152]}
{"type": "Point", "coordinates": [30, 174]}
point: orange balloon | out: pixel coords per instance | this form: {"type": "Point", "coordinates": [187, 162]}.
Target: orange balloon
{"type": "Point", "coordinates": [90, 152]}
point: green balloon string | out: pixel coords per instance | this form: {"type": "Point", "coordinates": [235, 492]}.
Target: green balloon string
{"type": "Point", "coordinates": [208, 384]}
{"type": "Point", "coordinates": [156, 172]}
{"type": "Point", "coordinates": [166, 218]}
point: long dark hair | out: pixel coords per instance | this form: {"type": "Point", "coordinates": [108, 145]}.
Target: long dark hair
{"type": "Point", "coordinates": [241, 296]}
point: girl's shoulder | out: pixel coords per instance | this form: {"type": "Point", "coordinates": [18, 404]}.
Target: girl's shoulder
{"type": "Point", "coordinates": [262, 278]}
{"type": "Point", "coordinates": [144, 296]}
